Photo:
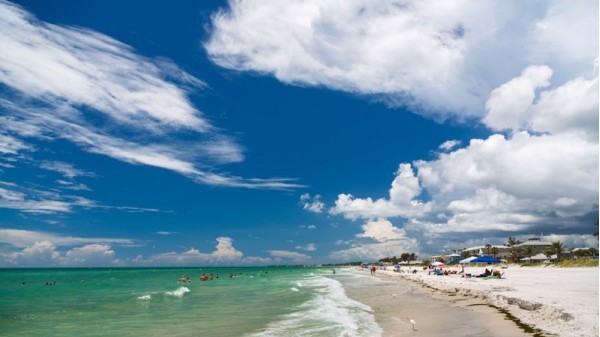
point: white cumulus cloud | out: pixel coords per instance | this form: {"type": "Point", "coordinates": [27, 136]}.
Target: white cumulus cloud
{"type": "Point", "coordinates": [402, 200]}
{"type": "Point", "coordinates": [385, 239]}
{"type": "Point", "coordinates": [313, 205]}
{"type": "Point", "coordinates": [440, 58]}
{"type": "Point", "coordinates": [224, 254]}
{"type": "Point", "coordinates": [540, 177]}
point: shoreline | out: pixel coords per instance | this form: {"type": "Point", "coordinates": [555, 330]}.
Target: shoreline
{"type": "Point", "coordinates": [536, 301]}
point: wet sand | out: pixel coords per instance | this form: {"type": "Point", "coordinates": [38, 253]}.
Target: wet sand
{"type": "Point", "coordinates": [436, 314]}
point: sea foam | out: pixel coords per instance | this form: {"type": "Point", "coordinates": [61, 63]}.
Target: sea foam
{"type": "Point", "coordinates": [329, 313]}
{"type": "Point", "coordinates": [144, 297]}
{"type": "Point", "coordinates": [179, 292]}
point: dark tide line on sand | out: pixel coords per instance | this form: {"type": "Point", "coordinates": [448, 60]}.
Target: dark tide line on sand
{"type": "Point", "coordinates": [527, 328]}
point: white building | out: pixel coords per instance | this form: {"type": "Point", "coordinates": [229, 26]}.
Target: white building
{"type": "Point", "coordinates": [536, 244]}
{"type": "Point", "coordinates": [502, 252]}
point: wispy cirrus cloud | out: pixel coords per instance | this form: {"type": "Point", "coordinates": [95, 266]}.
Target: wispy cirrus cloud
{"type": "Point", "coordinates": [27, 238]}
{"type": "Point", "coordinates": [66, 169]}
{"type": "Point", "coordinates": [12, 145]}
{"type": "Point", "coordinates": [85, 87]}
{"type": "Point", "coordinates": [34, 200]}
{"type": "Point", "coordinates": [14, 197]}
{"type": "Point", "coordinates": [289, 255]}
{"type": "Point", "coordinates": [166, 233]}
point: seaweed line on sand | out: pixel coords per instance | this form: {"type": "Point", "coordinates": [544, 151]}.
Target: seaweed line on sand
{"type": "Point", "coordinates": [503, 304]}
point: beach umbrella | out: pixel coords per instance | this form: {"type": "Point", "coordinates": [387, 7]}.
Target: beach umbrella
{"type": "Point", "coordinates": [485, 259]}
{"type": "Point", "coordinates": [467, 260]}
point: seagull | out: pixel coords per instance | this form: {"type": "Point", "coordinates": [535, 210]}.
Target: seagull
{"type": "Point", "coordinates": [393, 295]}
{"type": "Point", "coordinates": [413, 323]}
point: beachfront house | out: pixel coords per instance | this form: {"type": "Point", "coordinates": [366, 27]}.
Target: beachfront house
{"type": "Point", "coordinates": [537, 246]}
{"type": "Point", "coordinates": [453, 258]}
{"type": "Point", "coordinates": [447, 259]}
{"type": "Point", "coordinates": [497, 251]}
{"type": "Point", "coordinates": [584, 253]}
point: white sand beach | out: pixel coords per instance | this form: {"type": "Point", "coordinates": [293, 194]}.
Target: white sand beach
{"type": "Point", "coordinates": [558, 301]}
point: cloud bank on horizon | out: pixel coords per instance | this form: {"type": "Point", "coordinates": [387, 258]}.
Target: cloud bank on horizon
{"type": "Point", "coordinates": [539, 93]}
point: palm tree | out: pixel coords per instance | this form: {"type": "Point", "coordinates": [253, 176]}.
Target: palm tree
{"type": "Point", "coordinates": [495, 251]}
{"type": "Point", "coordinates": [512, 241]}
{"type": "Point", "coordinates": [528, 251]}
{"type": "Point", "coordinates": [412, 257]}
{"type": "Point", "coordinates": [488, 247]}
{"type": "Point", "coordinates": [548, 251]}
{"type": "Point", "coordinates": [571, 254]}
{"type": "Point", "coordinates": [580, 254]}
{"type": "Point", "coordinates": [558, 248]}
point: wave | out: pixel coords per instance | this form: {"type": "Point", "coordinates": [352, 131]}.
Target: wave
{"type": "Point", "coordinates": [179, 292]}
{"type": "Point", "coordinates": [294, 289]}
{"type": "Point", "coordinates": [328, 313]}
{"type": "Point", "coordinates": [144, 297]}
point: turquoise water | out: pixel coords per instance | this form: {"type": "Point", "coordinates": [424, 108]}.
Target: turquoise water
{"type": "Point", "coordinates": [256, 302]}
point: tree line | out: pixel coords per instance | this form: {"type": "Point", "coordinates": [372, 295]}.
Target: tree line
{"type": "Point", "coordinates": [404, 257]}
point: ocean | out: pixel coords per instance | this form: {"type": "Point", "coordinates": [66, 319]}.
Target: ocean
{"type": "Point", "coordinates": [249, 302]}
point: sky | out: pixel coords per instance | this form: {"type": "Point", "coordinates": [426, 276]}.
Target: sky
{"type": "Point", "coordinates": [262, 132]}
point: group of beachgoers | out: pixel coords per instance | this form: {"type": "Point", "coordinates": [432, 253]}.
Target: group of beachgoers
{"type": "Point", "coordinates": [53, 283]}
{"type": "Point", "coordinates": [445, 272]}
{"type": "Point", "coordinates": [438, 271]}
{"type": "Point", "coordinates": [373, 269]}
{"type": "Point", "coordinates": [208, 277]}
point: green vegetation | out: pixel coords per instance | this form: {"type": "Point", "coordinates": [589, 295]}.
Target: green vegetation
{"type": "Point", "coordinates": [564, 264]}
{"type": "Point", "coordinates": [404, 257]}
{"type": "Point", "coordinates": [487, 248]}
{"type": "Point", "coordinates": [512, 241]}
{"type": "Point", "coordinates": [576, 263]}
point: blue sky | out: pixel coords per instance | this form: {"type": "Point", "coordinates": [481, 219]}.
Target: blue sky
{"type": "Point", "coordinates": [269, 132]}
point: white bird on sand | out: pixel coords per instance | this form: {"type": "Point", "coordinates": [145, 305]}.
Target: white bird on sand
{"type": "Point", "coordinates": [413, 323]}
{"type": "Point", "coordinates": [393, 295]}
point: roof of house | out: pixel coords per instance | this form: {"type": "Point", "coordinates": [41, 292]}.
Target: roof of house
{"type": "Point", "coordinates": [534, 243]}
{"type": "Point", "coordinates": [484, 247]}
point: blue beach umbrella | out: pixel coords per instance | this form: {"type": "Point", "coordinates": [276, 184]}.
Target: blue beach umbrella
{"type": "Point", "coordinates": [485, 259]}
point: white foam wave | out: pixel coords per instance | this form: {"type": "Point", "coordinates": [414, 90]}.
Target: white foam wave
{"type": "Point", "coordinates": [294, 289]}
{"type": "Point", "coordinates": [144, 297]}
{"type": "Point", "coordinates": [329, 313]}
{"type": "Point", "coordinates": [179, 292]}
